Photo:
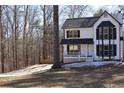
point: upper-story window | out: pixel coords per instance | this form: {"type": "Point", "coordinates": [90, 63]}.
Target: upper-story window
{"type": "Point", "coordinates": [108, 33]}
{"type": "Point", "coordinates": [73, 33]}
{"type": "Point", "coordinates": [106, 30]}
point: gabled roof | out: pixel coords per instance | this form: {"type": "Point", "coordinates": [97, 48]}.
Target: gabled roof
{"type": "Point", "coordinates": [83, 22]}
{"type": "Point", "coordinates": [111, 16]}
{"type": "Point", "coordinates": [79, 22]}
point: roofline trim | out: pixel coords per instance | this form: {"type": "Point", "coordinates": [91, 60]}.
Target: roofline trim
{"type": "Point", "coordinates": [110, 15]}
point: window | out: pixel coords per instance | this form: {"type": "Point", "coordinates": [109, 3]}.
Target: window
{"type": "Point", "coordinates": [73, 33]}
{"type": "Point", "coordinates": [70, 34]}
{"type": "Point", "coordinates": [106, 34]}
{"type": "Point", "coordinates": [106, 50]}
{"type": "Point", "coordinates": [73, 49]}
{"type": "Point", "coordinates": [112, 50]}
{"type": "Point", "coordinates": [100, 33]}
{"type": "Point", "coordinates": [112, 33]}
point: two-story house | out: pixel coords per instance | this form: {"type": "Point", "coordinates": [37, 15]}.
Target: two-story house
{"type": "Point", "coordinates": [93, 38]}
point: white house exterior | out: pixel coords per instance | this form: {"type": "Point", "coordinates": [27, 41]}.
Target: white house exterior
{"type": "Point", "coordinates": [93, 38]}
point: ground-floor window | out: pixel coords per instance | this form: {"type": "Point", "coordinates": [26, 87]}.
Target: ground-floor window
{"type": "Point", "coordinates": [106, 50]}
{"type": "Point", "coordinates": [73, 49]}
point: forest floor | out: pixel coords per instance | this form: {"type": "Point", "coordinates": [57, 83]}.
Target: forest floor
{"type": "Point", "coordinates": [107, 76]}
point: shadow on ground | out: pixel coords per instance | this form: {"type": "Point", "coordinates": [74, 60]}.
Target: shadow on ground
{"type": "Point", "coordinates": [76, 77]}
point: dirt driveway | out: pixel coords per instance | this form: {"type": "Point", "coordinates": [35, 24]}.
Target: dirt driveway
{"type": "Point", "coordinates": [111, 76]}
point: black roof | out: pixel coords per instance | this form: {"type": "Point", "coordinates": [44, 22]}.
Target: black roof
{"type": "Point", "coordinates": [83, 22]}
{"type": "Point", "coordinates": [79, 22]}
{"type": "Point", "coordinates": [77, 41]}
{"type": "Point", "coordinates": [106, 23]}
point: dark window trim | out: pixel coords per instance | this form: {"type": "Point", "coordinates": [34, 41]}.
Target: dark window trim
{"type": "Point", "coordinates": [113, 50]}
{"type": "Point", "coordinates": [73, 52]}
{"type": "Point", "coordinates": [99, 34]}
{"type": "Point", "coordinates": [73, 33]}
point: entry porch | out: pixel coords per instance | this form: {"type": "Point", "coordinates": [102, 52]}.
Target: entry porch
{"type": "Point", "coordinates": [77, 50]}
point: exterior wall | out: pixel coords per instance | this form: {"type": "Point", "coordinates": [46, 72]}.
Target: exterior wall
{"type": "Point", "coordinates": [122, 44]}
{"type": "Point", "coordinates": [91, 50]}
{"type": "Point", "coordinates": [91, 33]}
{"type": "Point", "coordinates": [65, 50]}
{"type": "Point", "coordinates": [84, 32]}
{"type": "Point", "coordinates": [86, 50]}
{"type": "Point", "coordinates": [117, 41]}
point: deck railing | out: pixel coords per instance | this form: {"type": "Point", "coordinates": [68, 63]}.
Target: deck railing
{"type": "Point", "coordinates": [72, 54]}
{"type": "Point", "coordinates": [76, 57]}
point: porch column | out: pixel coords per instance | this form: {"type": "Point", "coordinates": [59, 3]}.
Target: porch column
{"type": "Point", "coordinates": [98, 42]}
{"type": "Point", "coordinates": [80, 52]}
{"type": "Point", "coordinates": [102, 45]}
{"type": "Point", "coordinates": [87, 51]}
{"type": "Point", "coordinates": [62, 54]}
{"type": "Point", "coordinates": [109, 44]}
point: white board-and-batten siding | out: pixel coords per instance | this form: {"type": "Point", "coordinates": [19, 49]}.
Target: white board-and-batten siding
{"type": "Point", "coordinates": [84, 32]}
{"type": "Point", "coordinates": [90, 49]}
{"type": "Point", "coordinates": [118, 34]}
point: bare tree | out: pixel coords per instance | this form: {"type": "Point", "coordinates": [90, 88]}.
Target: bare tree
{"type": "Point", "coordinates": [15, 36]}
{"type": "Point", "coordinates": [56, 57]}
{"type": "Point", "coordinates": [75, 11]}
{"type": "Point", "coordinates": [99, 12]}
{"type": "Point", "coordinates": [1, 42]}
{"type": "Point", "coordinates": [21, 36]}
{"type": "Point", "coordinates": [25, 59]}
{"type": "Point", "coordinates": [44, 33]}
{"type": "Point", "coordinates": [47, 16]}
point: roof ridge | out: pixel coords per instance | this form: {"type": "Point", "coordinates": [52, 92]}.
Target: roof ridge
{"type": "Point", "coordinates": [82, 18]}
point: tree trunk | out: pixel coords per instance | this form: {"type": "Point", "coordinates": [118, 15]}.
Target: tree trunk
{"type": "Point", "coordinates": [1, 43]}
{"type": "Point", "coordinates": [44, 35]}
{"type": "Point", "coordinates": [25, 57]}
{"type": "Point", "coordinates": [15, 37]}
{"type": "Point", "coordinates": [56, 54]}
